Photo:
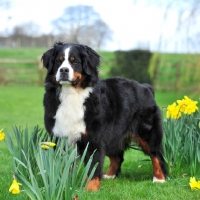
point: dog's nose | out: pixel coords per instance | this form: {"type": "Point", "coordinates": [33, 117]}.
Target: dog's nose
{"type": "Point", "coordinates": [64, 70]}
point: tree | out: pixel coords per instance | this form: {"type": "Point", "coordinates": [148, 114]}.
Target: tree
{"type": "Point", "coordinates": [82, 24]}
{"type": "Point", "coordinates": [25, 34]}
{"type": "Point", "coordinates": [27, 29]}
{"type": "Point", "coordinates": [187, 34]}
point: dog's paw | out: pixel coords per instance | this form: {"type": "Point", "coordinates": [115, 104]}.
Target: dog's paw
{"type": "Point", "coordinates": [155, 180]}
{"type": "Point", "coordinates": [93, 185]}
{"type": "Point", "coordinates": [105, 176]}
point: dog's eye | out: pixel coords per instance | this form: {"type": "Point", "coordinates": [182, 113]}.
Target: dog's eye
{"type": "Point", "coordinates": [72, 58]}
{"type": "Point", "coordinates": [61, 58]}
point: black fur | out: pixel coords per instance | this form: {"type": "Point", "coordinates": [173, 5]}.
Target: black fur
{"type": "Point", "coordinates": [117, 111]}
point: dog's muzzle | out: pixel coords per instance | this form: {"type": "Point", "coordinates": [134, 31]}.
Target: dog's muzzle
{"type": "Point", "coordinates": [65, 78]}
{"type": "Point", "coordinates": [64, 74]}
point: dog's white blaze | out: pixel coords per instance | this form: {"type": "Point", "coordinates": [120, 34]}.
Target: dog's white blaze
{"type": "Point", "coordinates": [69, 118]}
{"type": "Point", "coordinates": [65, 64]}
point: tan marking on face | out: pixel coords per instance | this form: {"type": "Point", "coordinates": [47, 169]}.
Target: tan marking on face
{"type": "Point", "coordinates": [72, 58]}
{"type": "Point", "coordinates": [78, 76]}
{"type": "Point", "coordinates": [61, 58]}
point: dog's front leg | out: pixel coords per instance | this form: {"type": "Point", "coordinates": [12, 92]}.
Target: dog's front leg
{"type": "Point", "coordinates": [94, 184]}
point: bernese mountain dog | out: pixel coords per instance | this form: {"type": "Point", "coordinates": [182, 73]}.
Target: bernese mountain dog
{"type": "Point", "coordinates": [108, 114]}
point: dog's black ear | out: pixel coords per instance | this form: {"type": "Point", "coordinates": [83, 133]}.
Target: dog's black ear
{"type": "Point", "coordinates": [49, 55]}
{"type": "Point", "coordinates": [47, 59]}
{"type": "Point", "coordinates": [91, 60]}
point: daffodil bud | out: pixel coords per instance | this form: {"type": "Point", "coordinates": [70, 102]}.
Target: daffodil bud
{"type": "Point", "coordinates": [51, 144]}
{"type": "Point", "coordinates": [45, 146]}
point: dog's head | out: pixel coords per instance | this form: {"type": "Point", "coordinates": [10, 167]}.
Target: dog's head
{"type": "Point", "coordinates": [71, 64]}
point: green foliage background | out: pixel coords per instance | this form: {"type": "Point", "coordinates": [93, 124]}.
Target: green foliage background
{"type": "Point", "coordinates": [132, 64]}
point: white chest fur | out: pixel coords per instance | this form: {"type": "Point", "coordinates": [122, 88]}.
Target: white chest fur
{"type": "Point", "coordinates": [69, 118]}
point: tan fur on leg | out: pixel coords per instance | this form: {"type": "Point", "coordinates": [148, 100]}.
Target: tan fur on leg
{"type": "Point", "coordinates": [93, 185]}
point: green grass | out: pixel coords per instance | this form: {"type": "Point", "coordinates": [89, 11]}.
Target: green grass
{"type": "Point", "coordinates": [21, 105]}
{"type": "Point", "coordinates": [22, 53]}
{"type": "Point", "coordinates": [135, 182]}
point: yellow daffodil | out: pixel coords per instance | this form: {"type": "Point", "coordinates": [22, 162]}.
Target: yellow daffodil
{"type": "Point", "coordinates": [176, 113]}
{"type": "Point", "coordinates": [187, 105]}
{"type": "Point", "coordinates": [14, 188]}
{"type": "Point", "coordinates": [173, 111]}
{"type": "Point", "coordinates": [191, 108]}
{"type": "Point", "coordinates": [2, 135]}
{"type": "Point", "coordinates": [182, 104]}
{"type": "Point", "coordinates": [194, 185]}
{"type": "Point", "coordinates": [170, 109]}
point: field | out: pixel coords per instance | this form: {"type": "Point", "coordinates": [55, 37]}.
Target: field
{"type": "Point", "coordinates": [177, 72]}
{"type": "Point", "coordinates": [174, 72]}
{"type": "Point", "coordinates": [21, 105]}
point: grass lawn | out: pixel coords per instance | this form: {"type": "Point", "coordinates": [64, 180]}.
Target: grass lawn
{"type": "Point", "coordinates": [22, 105]}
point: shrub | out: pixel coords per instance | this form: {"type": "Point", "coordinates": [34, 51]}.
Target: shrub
{"type": "Point", "coordinates": [132, 64]}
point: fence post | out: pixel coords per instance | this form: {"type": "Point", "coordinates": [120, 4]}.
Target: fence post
{"type": "Point", "coordinates": [41, 72]}
{"type": "Point", "coordinates": [177, 76]}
